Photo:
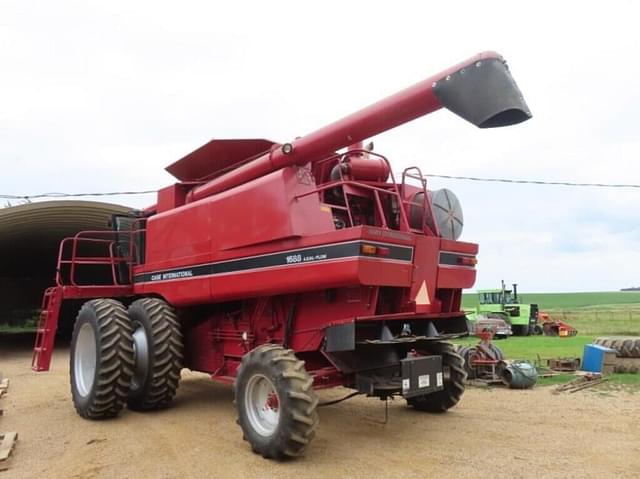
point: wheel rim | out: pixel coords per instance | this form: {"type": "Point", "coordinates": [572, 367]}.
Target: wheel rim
{"type": "Point", "coordinates": [262, 405]}
{"type": "Point", "coordinates": [84, 359]}
{"type": "Point", "coordinates": [140, 357]}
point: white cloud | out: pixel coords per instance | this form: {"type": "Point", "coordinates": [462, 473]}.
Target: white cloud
{"type": "Point", "coordinates": [103, 95]}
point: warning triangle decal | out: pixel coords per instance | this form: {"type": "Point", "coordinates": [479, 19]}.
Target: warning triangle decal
{"type": "Point", "coordinates": [423, 294]}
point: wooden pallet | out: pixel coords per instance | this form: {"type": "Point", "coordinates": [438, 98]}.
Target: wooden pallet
{"type": "Point", "coordinates": [4, 386]}
{"type": "Point", "coordinates": [7, 441]}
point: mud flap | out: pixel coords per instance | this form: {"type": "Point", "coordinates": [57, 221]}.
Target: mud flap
{"type": "Point", "coordinates": [421, 375]}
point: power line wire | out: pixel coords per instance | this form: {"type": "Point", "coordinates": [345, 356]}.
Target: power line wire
{"type": "Point", "coordinates": [70, 195]}
{"type": "Point", "coordinates": [430, 175]}
{"type": "Point", "coordinates": [535, 182]}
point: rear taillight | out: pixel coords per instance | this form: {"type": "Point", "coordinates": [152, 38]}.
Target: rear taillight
{"type": "Point", "coordinates": [373, 250]}
{"type": "Point", "coordinates": [467, 261]}
{"type": "Point", "coordinates": [368, 249]}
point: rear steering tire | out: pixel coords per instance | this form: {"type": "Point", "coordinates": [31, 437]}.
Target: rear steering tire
{"type": "Point", "coordinates": [448, 397]}
{"type": "Point", "coordinates": [498, 355]}
{"type": "Point", "coordinates": [276, 402]}
{"type": "Point", "coordinates": [101, 360]}
{"type": "Point", "coordinates": [158, 348]}
{"type": "Point", "coordinates": [466, 352]}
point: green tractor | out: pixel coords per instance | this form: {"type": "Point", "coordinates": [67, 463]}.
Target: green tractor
{"type": "Point", "coordinates": [504, 303]}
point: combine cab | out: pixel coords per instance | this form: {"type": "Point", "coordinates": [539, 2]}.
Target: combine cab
{"type": "Point", "coordinates": [283, 268]}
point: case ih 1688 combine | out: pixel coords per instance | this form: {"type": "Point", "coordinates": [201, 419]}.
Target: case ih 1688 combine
{"type": "Point", "coordinates": [282, 269]}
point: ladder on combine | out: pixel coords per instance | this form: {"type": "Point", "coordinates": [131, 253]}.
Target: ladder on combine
{"type": "Point", "coordinates": [46, 332]}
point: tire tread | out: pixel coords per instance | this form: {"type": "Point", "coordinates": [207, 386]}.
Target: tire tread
{"type": "Point", "coordinates": [115, 363]}
{"type": "Point", "coordinates": [166, 350]}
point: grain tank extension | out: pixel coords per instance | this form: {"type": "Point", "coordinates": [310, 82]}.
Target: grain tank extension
{"type": "Point", "coordinates": [283, 268]}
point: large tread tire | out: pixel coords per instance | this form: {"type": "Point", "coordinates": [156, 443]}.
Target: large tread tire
{"type": "Point", "coordinates": [297, 402]}
{"type": "Point", "coordinates": [157, 374]}
{"type": "Point", "coordinates": [520, 330]}
{"type": "Point", "coordinates": [462, 350]}
{"type": "Point", "coordinates": [99, 387]}
{"type": "Point", "coordinates": [448, 397]}
{"type": "Point", "coordinates": [498, 355]}
{"type": "Point", "coordinates": [626, 346]}
{"type": "Point", "coordinates": [465, 352]}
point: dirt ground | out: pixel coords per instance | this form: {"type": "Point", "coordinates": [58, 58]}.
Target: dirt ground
{"type": "Point", "coordinates": [492, 433]}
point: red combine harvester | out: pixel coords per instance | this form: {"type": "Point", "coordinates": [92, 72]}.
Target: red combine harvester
{"type": "Point", "coordinates": [282, 269]}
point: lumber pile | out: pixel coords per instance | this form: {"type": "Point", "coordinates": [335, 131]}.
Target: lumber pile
{"type": "Point", "coordinates": [8, 439]}
{"type": "Point", "coordinates": [580, 383]}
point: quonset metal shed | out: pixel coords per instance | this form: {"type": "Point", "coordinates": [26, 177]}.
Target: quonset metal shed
{"type": "Point", "coordinates": [29, 238]}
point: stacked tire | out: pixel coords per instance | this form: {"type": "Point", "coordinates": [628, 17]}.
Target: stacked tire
{"type": "Point", "coordinates": [625, 347]}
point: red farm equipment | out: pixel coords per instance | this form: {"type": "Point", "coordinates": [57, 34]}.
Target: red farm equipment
{"type": "Point", "coordinates": [283, 269]}
{"type": "Point", "coordinates": [550, 326]}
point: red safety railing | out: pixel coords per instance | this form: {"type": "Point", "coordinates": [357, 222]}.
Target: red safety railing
{"type": "Point", "coordinates": [377, 189]}
{"type": "Point", "coordinates": [105, 252]}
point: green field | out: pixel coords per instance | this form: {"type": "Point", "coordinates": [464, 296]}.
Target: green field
{"type": "Point", "coordinates": [536, 348]}
{"type": "Point", "coordinates": [571, 301]}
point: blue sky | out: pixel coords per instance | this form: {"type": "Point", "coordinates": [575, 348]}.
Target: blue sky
{"type": "Point", "coordinates": [101, 96]}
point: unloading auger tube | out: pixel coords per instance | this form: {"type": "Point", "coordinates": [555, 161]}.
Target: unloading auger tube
{"type": "Point", "coordinates": [480, 90]}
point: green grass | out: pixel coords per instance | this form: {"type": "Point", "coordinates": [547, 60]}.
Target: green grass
{"type": "Point", "coordinates": [533, 348]}
{"type": "Point", "coordinates": [625, 379]}
{"type": "Point", "coordinates": [6, 329]}
{"type": "Point", "coordinates": [602, 323]}
{"type": "Point", "coordinates": [555, 380]}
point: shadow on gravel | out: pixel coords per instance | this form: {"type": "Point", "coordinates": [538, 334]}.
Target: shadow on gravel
{"type": "Point", "coordinates": [199, 390]}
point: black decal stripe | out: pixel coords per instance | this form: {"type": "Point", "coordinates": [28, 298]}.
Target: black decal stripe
{"type": "Point", "coordinates": [452, 259]}
{"type": "Point", "coordinates": [286, 258]}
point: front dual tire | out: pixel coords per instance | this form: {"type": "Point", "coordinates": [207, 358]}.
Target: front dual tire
{"type": "Point", "coordinates": [123, 357]}
{"type": "Point", "coordinates": [102, 359]}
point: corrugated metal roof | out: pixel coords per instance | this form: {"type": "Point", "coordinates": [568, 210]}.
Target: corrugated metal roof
{"type": "Point", "coordinates": [30, 234]}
